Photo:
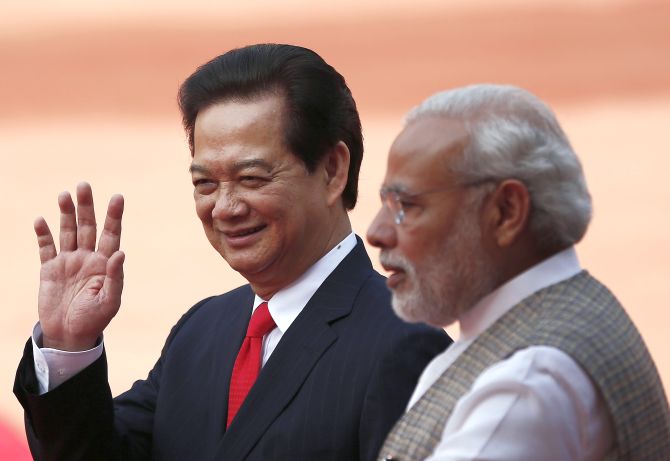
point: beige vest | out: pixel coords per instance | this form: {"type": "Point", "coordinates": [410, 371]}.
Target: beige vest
{"type": "Point", "coordinates": [582, 318]}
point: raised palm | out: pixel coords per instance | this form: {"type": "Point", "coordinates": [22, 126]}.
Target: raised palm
{"type": "Point", "coordinates": [80, 287]}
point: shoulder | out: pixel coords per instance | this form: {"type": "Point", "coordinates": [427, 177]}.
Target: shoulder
{"type": "Point", "coordinates": [583, 318]}
{"type": "Point", "coordinates": [232, 299]}
{"type": "Point", "coordinates": [207, 310]}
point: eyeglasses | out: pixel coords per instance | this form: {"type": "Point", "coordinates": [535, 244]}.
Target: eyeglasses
{"type": "Point", "coordinates": [399, 202]}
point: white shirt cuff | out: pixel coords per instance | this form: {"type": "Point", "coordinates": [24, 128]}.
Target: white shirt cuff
{"type": "Point", "coordinates": [53, 367]}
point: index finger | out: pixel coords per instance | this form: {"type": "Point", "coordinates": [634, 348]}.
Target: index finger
{"type": "Point", "coordinates": [45, 240]}
{"type": "Point", "coordinates": [110, 237]}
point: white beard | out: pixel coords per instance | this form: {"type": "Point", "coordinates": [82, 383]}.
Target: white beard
{"type": "Point", "coordinates": [451, 281]}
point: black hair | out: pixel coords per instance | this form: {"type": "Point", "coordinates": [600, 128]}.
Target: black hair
{"type": "Point", "coordinates": [319, 108]}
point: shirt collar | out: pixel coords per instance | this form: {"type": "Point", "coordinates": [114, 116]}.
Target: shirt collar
{"type": "Point", "coordinates": [490, 308]}
{"type": "Point", "coordinates": [288, 302]}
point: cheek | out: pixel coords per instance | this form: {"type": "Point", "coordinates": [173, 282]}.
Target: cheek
{"type": "Point", "coordinates": [415, 246]}
{"type": "Point", "coordinates": [203, 208]}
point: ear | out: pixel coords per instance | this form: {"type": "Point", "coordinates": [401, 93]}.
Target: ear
{"type": "Point", "coordinates": [336, 170]}
{"type": "Point", "coordinates": [508, 209]}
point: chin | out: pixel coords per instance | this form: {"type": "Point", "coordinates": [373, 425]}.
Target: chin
{"type": "Point", "coordinates": [245, 269]}
{"type": "Point", "coordinates": [407, 308]}
{"type": "Point", "coordinates": [415, 309]}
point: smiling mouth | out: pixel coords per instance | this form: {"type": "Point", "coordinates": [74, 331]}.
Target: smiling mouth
{"type": "Point", "coordinates": [245, 232]}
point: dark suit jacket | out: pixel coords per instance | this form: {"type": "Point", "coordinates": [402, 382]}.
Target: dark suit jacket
{"type": "Point", "coordinates": [336, 383]}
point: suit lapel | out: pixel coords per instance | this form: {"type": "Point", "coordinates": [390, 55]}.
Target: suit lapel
{"type": "Point", "coordinates": [299, 350]}
{"type": "Point", "coordinates": [230, 331]}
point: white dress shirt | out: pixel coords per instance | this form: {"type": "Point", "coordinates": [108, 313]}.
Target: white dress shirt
{"type": "Point", "coordinates": [53, 367]}
{"type": "Point", "coordinates": [537, 404]}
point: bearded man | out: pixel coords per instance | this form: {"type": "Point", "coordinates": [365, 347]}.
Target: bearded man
{"type": "Point", "coordinates": [482, 203]}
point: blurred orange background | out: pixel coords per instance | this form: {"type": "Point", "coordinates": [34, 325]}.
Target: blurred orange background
{"type": "Point", "coordinates": [88, 92]}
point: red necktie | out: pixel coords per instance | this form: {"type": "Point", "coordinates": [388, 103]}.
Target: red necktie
{"type": "Point", "coordinates": [248, 362]}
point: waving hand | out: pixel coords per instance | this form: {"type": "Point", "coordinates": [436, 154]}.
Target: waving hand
{"type": "Point", "coordinates": [80, 286]}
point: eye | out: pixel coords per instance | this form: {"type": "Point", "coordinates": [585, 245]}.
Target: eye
{"type": "Point", "coordinates": [252, 181]}
{"type": "Point", "coordinates": [406, 203]}
{"type": "Point", "coordinates": [204, 186]}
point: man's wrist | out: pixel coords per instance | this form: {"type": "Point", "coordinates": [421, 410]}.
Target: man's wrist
{"type": "Point", "coordinates": [55, 366]}
{"type": "Point", "coordinates": [69, 345]}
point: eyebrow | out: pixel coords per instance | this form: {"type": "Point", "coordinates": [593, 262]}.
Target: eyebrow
{"type": "Point", "coordinates": [238, 166]}
{"type": "Point", "coordinates": [396, 188]}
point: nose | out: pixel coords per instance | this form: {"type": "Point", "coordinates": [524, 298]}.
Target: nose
{"type": "Point", "coordinates": [382, 231]}
{"type": "Point", "coordinates": [229, 205]}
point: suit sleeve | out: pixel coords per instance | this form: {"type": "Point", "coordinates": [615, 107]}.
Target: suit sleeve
{"type": "Point", "coordinates": [80, 421]}
{"type": "Point", "coordinates": [75, 420]}
{"type": "Point", "coordinates": [393, 382]}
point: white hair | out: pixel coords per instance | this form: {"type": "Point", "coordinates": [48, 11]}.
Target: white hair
{"type": "Point", "coordinates": [514, 135]}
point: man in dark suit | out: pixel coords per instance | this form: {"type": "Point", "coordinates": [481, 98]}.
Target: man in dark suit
{"type": "Point", "coordinates": [321, 369]}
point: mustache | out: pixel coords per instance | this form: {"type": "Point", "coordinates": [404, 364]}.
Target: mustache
{"type": "Point", "coordinates": [389, 260]}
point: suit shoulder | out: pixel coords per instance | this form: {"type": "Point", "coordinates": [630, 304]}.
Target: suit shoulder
{"type": "Point", "coordinates": [233, 299]}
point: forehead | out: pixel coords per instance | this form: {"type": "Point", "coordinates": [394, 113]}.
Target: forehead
{"type": "Point", "coordinates": [258, 116]}
{"type": "Point", "coordinates": [240, 130]}
{"type": "Point", "coordinates": [421, 153]}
